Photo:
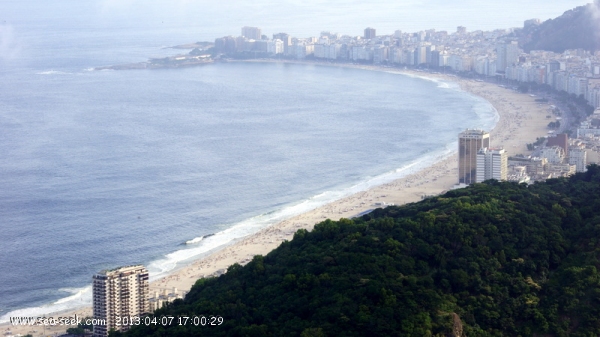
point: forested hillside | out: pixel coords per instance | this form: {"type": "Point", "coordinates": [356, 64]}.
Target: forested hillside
{"type": "Point", "coordinates": [493, 259]}
{"type": "Point", "coordinates": [576, 28]}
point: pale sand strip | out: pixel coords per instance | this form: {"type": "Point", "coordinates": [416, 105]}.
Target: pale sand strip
{"type": "Point", "coordinates": [521, 121]}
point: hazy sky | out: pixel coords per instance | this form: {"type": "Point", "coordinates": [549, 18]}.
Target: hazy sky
{"type": "Point", "coordinates": [206, 20]}
{"type": "Point", "coordinates": [305, 18]}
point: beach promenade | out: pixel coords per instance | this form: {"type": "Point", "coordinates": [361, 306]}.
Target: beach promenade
{"type": "Point", "coordinates": [521, 121]}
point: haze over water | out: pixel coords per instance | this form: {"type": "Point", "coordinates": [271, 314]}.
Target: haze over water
{"type": "Point", "coordinates": [106, 168]}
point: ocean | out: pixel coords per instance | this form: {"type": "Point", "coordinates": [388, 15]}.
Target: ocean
{"type": "Point", "coordinates": [100, 169]}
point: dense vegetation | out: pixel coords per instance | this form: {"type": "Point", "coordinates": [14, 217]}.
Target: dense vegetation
{"type": "Point", "coordinates": [576, 28]}
{"type": "Point", "coordinates": [493, 259]}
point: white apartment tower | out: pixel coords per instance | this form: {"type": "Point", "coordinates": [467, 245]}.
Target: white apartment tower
{"type": "Point", "coordinates": [119, 293]}
{"type": "Point", "coordinates": [555, 154]}
{"type": "Point", "coordinates": [491, 164]}
{"type": "Point", "coordinates": [507, 53]}
{"type": "Point", "coordinates": [578, 157]}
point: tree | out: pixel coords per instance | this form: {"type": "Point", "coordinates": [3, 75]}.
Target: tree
{"type": "Point", "coordinates": [76, 331]}
{"type": "Point", "coordinates": [492, 259]}
{"type": "Point", "coordinates": [524, 88]}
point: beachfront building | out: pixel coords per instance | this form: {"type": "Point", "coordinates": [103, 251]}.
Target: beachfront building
{"type": "Point", "coordinates": [578, 157]}
{"type": "Point", "coordinates": [561, 140]}
{"type": "Point", "coordinates": [251, 33]}
{"type": "Point", "coordinates": [469, 144]}
{"type": "Point", "coordinates": [554, 154]}
{"type": "Point", "coordinates": [117, 294]}
{"type": "Point", "coordinates": [274, 47]}
{"type": "Point", "coordinates": [369, 33]}
{"type": "Point", "coordinates": [163, 296]}
{"type": "Point", "coordinates": [507, 54]}
{"type": "Point", "coordinates": [491, 164]}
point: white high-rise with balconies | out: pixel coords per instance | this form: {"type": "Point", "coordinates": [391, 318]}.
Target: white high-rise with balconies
{"type": "Point", "coordinates": [507, 54]}
{"type": "Point", "coordinates": [578, 157]}
{"type": "Point", "coordinates": [491, 164]}
{"type": "Point", "coordinates": [118, 295]}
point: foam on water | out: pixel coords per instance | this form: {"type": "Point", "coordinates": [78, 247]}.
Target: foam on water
{"type": "Point", "coordinates": [53, 72]}
{"type": "Point", "coordinates": [198, 246]}
{"type": "Point", "coordinates": [194, 240]}
{"type": "Point", "coordinates": [79, 297]}
{"type": "Point", "coordinates": [487, 114]}
{"type": "Point", "coordinates": [160, 268]}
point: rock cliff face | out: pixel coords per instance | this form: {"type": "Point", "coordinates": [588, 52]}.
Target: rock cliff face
{"type": "Point", "coordinates": [575, 29]}
{"type": "Point", "coordinates": [457, 327]}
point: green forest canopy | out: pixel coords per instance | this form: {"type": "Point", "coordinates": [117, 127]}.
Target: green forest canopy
{"type": "Point", "coordinates": [493, 259]}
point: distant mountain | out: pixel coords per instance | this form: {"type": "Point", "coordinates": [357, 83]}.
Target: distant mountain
{"type": "Point", "coordinates": [576, 28]}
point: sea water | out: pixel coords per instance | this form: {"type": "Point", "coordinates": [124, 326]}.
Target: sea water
{"type": "Point", "coordinates": [100, 169]}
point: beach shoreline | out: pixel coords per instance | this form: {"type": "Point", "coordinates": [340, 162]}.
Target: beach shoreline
{"type": "Point", "coordinates": [520, 120]}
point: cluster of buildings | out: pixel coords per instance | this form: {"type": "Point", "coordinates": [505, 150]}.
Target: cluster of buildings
{"type": "Point", "coordinates": [123, 293]}
{"type": "Point", "coordinates": [477, 161]}
{"type": "Point", "coordinates": [556, 157]}
{"type": "Point", "coordinates": [575, 71]}
{"type": "Point", "coordinates": [491, 53]}
{"type": "Point", "coordinates": [561, 155]}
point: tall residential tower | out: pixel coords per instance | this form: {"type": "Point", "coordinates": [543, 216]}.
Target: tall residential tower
{"type": "Point", "coordinates": [118, 294]}
{"type": "Point", "coordinates": [251, 33]}
{"type": "Point", "coordinates": [369, 33]}
{"type": "Point", "coordinates": [491, 164]}
{"type": "Point", "coordinates": [469, 144]}
{"type": "Point", "coordinates": [507, 54]}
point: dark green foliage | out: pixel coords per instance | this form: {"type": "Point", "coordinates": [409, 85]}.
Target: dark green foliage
{"type": "Point", "coordinates": [554, 125]}
{"type": "Point", "coordinates": [76, 331]}
{"type": "Point", "coordinates": [575, 29]}
{"type": "Point", "coordinates": [523, 87]}
{"type": "Point", "coordinates": [509, 259]}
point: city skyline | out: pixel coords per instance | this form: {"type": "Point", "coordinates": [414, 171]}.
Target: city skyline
{"type": "Point", "coordinates": [572, 82]}
{"type": "Point", "coordinates": [302, 19]}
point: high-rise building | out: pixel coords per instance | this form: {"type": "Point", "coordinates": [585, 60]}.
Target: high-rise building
{"type": "Point", "coordinates": [435, 58]}
{"type": "Point", "coordinates": [421, 53]}
{"type": "Point", "coordinates": [507, 54]}
{"type": "Point", "coordinates": [578, 157]}
{"type": "Point", "coordinates": [428, 54]}
{"type": "Point", "coordinates": [561, 140]}
{"type": "Point", "coordinates": [251, 33]}
{"type": "Point", "coordinates": [554, 154]}
{"type": "Point", "coordinates": [286, 39]}
{"type": "Point", "coordinates": [117, 294]}
{"type": "Point", "coordinates": [369, 33]}
{"type": "Point", "coordinates": [461, 30]}
{"type": "Point", "coordinates": [225, 44]}
{"type": "Point", "coordinates": [469, 143]}
{"type": "Point", "coordinates": [491, 164]}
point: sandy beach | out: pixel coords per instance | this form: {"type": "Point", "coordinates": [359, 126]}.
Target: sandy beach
{"type": "Point", "coordinates": [521, 121]}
